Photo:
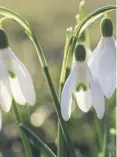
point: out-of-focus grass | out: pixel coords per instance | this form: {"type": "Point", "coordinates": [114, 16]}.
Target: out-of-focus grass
{"type": "Point", "coordinates": [49, 19]}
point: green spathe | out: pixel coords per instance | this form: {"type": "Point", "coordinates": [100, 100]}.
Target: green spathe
{"type": "Point", "coordinates": [80, 53]}
{"type": "Point", "coordinates": [3, 39]}
{"type": "Point", "coordinates": [106, 27]}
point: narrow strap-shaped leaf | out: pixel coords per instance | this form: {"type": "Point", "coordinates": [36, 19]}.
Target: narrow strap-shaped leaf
{"type": "Point", "coordinates": [37, 141]}
{"type": "Point", "coordinates": [24, 138]}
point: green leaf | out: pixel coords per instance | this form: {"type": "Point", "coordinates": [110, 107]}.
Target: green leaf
{"type": "Point", "coordinates": [37, 141]}
{"type": "Point", "coordinates": [24, 138]}
{"type": "Point", "coordinates": [91, 18]}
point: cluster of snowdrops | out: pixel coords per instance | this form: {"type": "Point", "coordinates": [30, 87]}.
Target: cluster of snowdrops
{"type": "Point", "coordinates": [91, 78]}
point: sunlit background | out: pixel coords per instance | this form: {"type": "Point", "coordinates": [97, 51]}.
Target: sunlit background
{"type": "Point", "coordinates": [49, 19]}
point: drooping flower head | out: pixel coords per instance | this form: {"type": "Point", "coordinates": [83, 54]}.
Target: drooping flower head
{"type": "Point", "coordinates": [103, 59]}
{"type": "Point", "coordinates": [15, 80]}
{"type": "Point", "coordinates": [81, 83]}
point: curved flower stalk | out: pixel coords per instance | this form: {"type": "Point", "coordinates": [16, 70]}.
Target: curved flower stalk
{"type": "Point", "coordinates": [86, 89]}
{"type": "Point", "coordinates": [103, 59]}
{"type": "Point", "coordinates": [15, 79]}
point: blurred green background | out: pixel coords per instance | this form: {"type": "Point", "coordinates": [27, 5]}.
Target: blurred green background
{"type": "Point", "coordinates": [49, 19]}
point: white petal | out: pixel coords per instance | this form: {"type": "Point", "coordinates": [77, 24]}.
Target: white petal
{"type": "Point", "coordinates": [0, 120]}
{"type": "Point", "coordinates": [107, 67]}
{"type": "Point", "coordinates": [81, 73]}
{"type": "Point", "coordinates": [93, 59]}
{"type": "Point", "coordinates": [97, 96]}
{"type": "Point", "coordinates": [89, 53]}
{"type": "Point", "coordinates": [84, 100]}
{"type": "Point", "coordinates": [16, 91]}
{"type": "Point", "coordinates": [5, 97]}
{"type": "Point", "coordinates": [66, 96]}
{"type": "Point", "coordinates": [5, 91]}
{"type": "Point", "coordinates": [24, 79]}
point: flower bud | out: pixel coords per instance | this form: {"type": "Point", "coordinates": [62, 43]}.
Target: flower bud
{"type": "Point", "coordinates": [78, 18]}
{"type": "Point", "coordinates": [3, 39]}
{"type": "Point", "coordinates": [106, 27]}
{"type": "Point", "coordinates": [80, 53]}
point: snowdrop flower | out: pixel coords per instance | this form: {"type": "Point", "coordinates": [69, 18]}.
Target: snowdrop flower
{"type": "Point", "coordinates": [15, 80]}
{"type": "Point", "coordinates": [82, 84]}
{"type": "Point", "coordinates": [103, 59]}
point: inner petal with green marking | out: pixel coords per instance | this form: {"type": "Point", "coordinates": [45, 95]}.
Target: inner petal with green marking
{"type": "Point", "coordinates": [81, 86]}
{"type": "Point", "coordinates": [12, 74]}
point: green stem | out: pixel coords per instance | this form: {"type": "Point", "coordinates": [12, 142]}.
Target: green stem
{"type": "Point", "coordinates": [66, 65]}
{"type": "Point", "coordinates": [60, 138]}
{"type": "Point", "coordinates": [105, 150]}
{"type": "Point", "coordinates": [53, 94]}
{"type": "Point", "coordinates": [106, 133]}
{"type": "Point", "coordinates": [22, 135]}
{"type": "Point", "coordinates": [62, 122]}
{"type": "Point", "coordinates": [62, 76]}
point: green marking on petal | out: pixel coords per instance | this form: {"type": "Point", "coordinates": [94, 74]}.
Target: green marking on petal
{"type": "Point", "coordinates": [81, 86]}
{"type": "Point", "coordinates": [12, 74]}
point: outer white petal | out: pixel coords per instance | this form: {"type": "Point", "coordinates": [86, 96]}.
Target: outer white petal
{"type": "Point", "coordinates": [5, 91]}
{"type": "Point", "coordinates": [16, 91]}
{"type": "Point", "coordinates": [24, 79]}
{"type": "Point", "coordinates": [93, 59]}
{"type": "Point", "coordinates": [84, 100]}
{"type": "Point", "coordinates": [89, 53]}
{"type": "Point", "coordinates": [107, 67]}
{"type": "Point", "coordinates": [0, 120]}
{"type": "Point", "coordinates": [66, 96]}
{"type": "Point", "coordinates": [97, 96]}
{"type": "Point", "coordinates": [116, 48]}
